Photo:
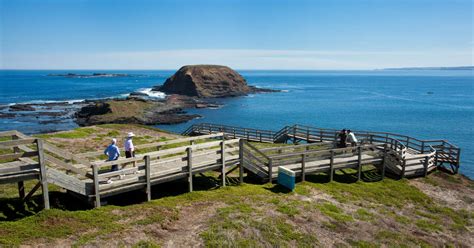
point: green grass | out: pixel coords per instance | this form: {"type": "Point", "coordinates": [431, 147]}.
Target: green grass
{"type": "Point", "coordinates": [334, 212]}
{"type": "Point", "coordinates": [364, 215]}
{"type": "Point", "coordinates": [81, 132]}
{"type": "Point", "coordinates": [227, 229]}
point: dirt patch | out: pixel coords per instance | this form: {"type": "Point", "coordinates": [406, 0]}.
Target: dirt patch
{"type": "Point", "coordinates": [192, 221]}
{"type": "Point", "coordinates": [455, 194]}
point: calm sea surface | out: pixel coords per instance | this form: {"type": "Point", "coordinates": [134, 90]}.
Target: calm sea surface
{"type": "Point", "coordinates": [423, 104]}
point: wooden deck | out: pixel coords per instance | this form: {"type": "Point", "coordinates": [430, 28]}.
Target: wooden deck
{"type": "Point", "coordinates": [400, 154]}
{"type": "Point", "coordinates": [87, 176]}
{"type": "Point", "coordinates": [216, 148]}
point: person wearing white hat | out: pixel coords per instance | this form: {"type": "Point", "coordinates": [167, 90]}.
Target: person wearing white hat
{"type": "Point", "coordinates": [129, 147]}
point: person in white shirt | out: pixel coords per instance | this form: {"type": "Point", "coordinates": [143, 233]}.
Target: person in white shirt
{"type": "Point", "coordinates": [351, 138]}
{"type": "Point", "coordinates": [129, 147]}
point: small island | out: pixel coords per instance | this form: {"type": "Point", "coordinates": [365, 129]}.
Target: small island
{"type": "Point", "coordinates": [192, 86]}
{"type": "Point", "coordinates": [93, 75]}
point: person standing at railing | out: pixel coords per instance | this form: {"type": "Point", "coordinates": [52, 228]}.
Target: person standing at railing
{"type": "Point", "coordinates": [351, 138]}
{"type": "Point", "coordinates": [129, 147]}
{"type": "Point", "coordinates": [113, 153]}
{"type": "Point", "coordinates": [342, 139]}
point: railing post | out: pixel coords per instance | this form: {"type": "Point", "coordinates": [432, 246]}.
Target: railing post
{"type": "Point", "coordinates": [320, 135]}
{"type": "Point", "coordinates": [260, 136]}
{"type": "Point", "coordinates": [95, 173]}
{"type": "Point", "coordinates": [241, 158]}
{"type": "Point", "coordinates": [43, 176]}
{"type": "Point", "coordinates": [408, 142]}
{"type": "Point", "coordinates": [384, 160]}
{"type": "Point", "coordinates": [147, 176]}
{"type": "Point", "coordinates": [223, 162]}
{"type": "Point", "coordinates": [303, 167]}
{"type": "Point", "coordinates": [331, 166]}
{"type": "Point", "coordinates": [403, 167]}
{"type": "Point", "coordinates": [422, 147]}
{"type": "Point", "coordinates": [294, 134]}
{"type": "Point", "coordinates": [458, 157]}
{"type": "Point", "coordinates": [189, 151]}
{"type": "Point", "coordinates": [359, 162]}
{"type": "Point", "coordinates": [307, 136]}
{"type": "Point", "coordinates": [425, 166]}
{"type": "Point", "coordinates": [270, 170]}
{"type": "Point", "coordinates": [21, 185]}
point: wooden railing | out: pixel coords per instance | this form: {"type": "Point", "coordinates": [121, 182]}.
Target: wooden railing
{"type": "Point", "coordinates": [232, 132]}
{"type": "Point", "coordinates": [164, 165]}
{"type": "Point", "coordinates": [446, 153]}
{"type": "Point", "coordinates": [24, 162]}
{"type": "Point", "coordinates": [255, 160]}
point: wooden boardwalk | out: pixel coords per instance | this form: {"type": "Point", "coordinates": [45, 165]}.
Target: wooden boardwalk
{"type": "Point", "coordinates": [399, 154]}
{"type": "Point", "coordinates": [215, 148]}
{"type": "Point", "coordinates": [86, 176]}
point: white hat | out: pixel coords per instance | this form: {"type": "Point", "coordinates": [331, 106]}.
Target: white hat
{"type": "Point", "coordinates": [131, 134]}
{"type": "Point", "coordinates": [114, 141]}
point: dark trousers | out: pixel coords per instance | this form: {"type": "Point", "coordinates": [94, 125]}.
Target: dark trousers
{"type": "Point", "coordinates": [129, 154]}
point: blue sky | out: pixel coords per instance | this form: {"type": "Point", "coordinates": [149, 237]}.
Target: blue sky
{"type": "Point", "coordinates": [245, 34]}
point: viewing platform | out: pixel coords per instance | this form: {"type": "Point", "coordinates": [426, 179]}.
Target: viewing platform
{"type": "Point", "coordinates": [225, 149]}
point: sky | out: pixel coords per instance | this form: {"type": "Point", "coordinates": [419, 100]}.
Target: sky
{"type": "Point", "coordinates": [243, 34]}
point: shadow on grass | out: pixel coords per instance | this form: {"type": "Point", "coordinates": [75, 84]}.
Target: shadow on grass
{"type": "Point", "coordinates": [14, 208]}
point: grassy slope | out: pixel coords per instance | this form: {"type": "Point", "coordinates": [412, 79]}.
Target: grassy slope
{"type": "Point", "coordinates": [318, 213]}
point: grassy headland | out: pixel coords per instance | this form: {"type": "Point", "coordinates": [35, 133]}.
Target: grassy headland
{"type": "Point", "coordinates": [433, 211]}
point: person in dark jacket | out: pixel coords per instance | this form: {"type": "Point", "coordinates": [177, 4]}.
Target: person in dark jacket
{"type": "Point", "coordinates": [342, 139]}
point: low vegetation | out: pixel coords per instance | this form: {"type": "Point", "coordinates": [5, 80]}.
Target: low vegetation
{"type": "Point", "coordinates": [434, 211]}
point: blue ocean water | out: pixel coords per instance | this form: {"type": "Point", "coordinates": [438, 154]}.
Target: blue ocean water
{"type": "Point", "coordinates": [427, 104]}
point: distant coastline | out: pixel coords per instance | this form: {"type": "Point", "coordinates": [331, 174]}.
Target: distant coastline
{"type": "Point", "coordinates": [452, 68]}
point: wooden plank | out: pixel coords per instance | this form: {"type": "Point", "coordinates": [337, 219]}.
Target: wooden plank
{"type": "Point", "coordinates": [147, 176]}
{"type": "Point", "coordinates": [65, 154]}
{"type": "Point", "coordinates": [43, 177]}
{"type": "Point", "coordinates": [359, 163]}
{"type": "Point", "coordinates": [66, 166]}
{"type": "Point", "coordinates": [12, 156]}
{"type": "Point", "coordinates": [14, 178]}
{"type": "Point", "coordinates": [270, 170]}
{"type": "Point", "coordinates": [223, 157]}
{"type": "Point", "coordinates": [7, 133]}
{"type": "Point", "coordinates": [95, 173]}
{"type": "Point", "coordinates": [21, 190]}
{"type": "Point", "coordinates": [158, 144]}
{"type": "Point", "coordinates": [190, 168]}
{"type": "Point", "coordinates": [110, 174]}
{"type": "Point", "coordinates": [118, 161]}
{"type": "Point", "coordinates": [19, 167]}
{"type": "Point", "coordinates": [14, 143]}
{"type": "Point", "coordinates": [303, 167]}
{"type": "Point", "coordinates": [69, 182]}
{"type": "Point", "coordinates": [331, 166]}
{"type": "Point", "coordinates": [33, 190]}
{"type": "Point", "coordinates": [241, 163]}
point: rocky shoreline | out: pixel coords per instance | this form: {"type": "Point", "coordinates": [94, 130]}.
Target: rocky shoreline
{"type": "Point", "coordinates": [190, 87]}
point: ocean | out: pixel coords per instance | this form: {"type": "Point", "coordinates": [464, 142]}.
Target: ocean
{"type": "Point", "coordinates": [427, 104]}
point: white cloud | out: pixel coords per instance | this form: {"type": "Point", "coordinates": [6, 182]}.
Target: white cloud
{"type": "Point", "coordinates": [237, 59]}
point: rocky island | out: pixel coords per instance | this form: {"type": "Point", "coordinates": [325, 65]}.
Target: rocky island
{"type": "Point", "coordinates": [192, 86]}
{"type": "Point", "coordinates": [208, 81]}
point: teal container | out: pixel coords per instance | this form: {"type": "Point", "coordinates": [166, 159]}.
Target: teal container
{"type": "Point", "coordinates": [286, 178]}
